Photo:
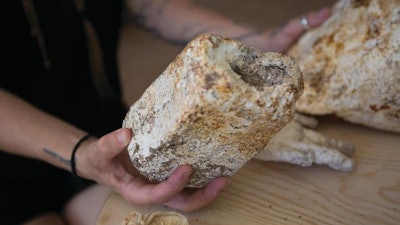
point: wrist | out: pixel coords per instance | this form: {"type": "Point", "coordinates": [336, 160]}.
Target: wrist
{"type": "Point", "coordinates": [76, 154]}
{"type": "Point", "coordinates": [256, 39]}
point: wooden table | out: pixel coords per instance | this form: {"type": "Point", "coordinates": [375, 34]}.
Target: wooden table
{"type": "Point", "coordinates": [279, 193]}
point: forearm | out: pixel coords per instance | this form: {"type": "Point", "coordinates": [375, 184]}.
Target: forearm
{"type": "Point", "coordinates": [30, 132]}
{"type": "Point", "coordinates": [181, 20]}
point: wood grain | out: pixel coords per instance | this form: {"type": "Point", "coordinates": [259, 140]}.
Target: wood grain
{"type": "Point", "coordinates": [279, 193]}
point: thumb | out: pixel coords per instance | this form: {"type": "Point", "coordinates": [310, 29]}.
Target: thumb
{"type": "Point", "coordinates": [113, 143]}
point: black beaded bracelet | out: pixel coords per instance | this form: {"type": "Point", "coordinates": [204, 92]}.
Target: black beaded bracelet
{"type": "Point", "coordinates": [73, 163]}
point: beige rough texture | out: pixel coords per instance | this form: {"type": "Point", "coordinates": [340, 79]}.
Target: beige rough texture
{"type": "Point", "coordinates": [214, 108]}
{"type": "Point", "coordinates": [155, 218]}
{"type": "Point", "coordinates": [351, 64]}
{"type": "Point", "coordinates": [297, 143]}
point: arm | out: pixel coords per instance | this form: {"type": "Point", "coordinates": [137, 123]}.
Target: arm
{"type": "Point", "coordinates": [181, 20]}
{"type": "Point", "coordinates": [30, 132]}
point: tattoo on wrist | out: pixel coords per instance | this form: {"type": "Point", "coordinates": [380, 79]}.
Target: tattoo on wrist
{"type": "Point", "coordinates": [57, 157]}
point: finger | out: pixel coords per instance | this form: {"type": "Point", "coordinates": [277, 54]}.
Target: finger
{"type": "Point", "coordinates": [340, 145]}
{"type": "Point", "coordinates": [285, 37]}
{"type": "Point", "coordinates": [188, 201]}
{"type": "Point", "coordinates": [294, 28]}
{"type": "Point", "coordinates": [145, 193]}
{"type": "Point", "coordinates": [316, 18]}
{"type": "Point", "coordinates": [110, 145]}
{"type": "Point", "coordinates": [306, 121]}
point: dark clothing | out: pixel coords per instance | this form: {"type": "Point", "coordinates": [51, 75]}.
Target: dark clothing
{"type": "Point", "coordinates": [65, 89]}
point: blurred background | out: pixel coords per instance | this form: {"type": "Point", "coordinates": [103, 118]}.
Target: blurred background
{"type": "Point", "coordinates": [144, 56]}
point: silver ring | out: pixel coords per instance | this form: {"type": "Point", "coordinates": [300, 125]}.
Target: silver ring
{"type": "Point", "coordinates": [304, 23]}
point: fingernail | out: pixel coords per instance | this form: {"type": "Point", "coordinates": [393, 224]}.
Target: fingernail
{"type": "Point", "coordinates": [122, 137]}
{"type": "Point", "coordinates": [187, 174]}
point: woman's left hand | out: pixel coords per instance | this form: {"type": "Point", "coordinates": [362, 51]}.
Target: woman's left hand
{"type": "Point", "coordinates": [282, 38]}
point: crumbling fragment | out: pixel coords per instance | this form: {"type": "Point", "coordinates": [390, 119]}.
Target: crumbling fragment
{"type": "Point", "coordinates": [155, 218]}
{"type": "Point", "coordinates": [299, 144]}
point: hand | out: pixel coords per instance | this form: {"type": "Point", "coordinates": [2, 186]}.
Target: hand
{"type": "Point", "coordinates": [107, 161]}
{"type": "Point", "coordinates": [281, 39]}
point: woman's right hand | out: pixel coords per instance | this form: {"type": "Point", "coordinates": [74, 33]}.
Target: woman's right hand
{"type": "Point", "coordinates": [106, 161]}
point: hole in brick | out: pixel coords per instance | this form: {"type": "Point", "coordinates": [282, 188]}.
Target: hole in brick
{"type": "Point", "coordinates": [252, 68]}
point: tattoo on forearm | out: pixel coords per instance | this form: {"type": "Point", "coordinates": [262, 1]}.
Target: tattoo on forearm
{"type": "Point", "coordinates": [57, 157]}
{"type": "Point", "coordinates": [186, 30]}
{"type": "Point", "coordinates": [161, 7]}
{"type": "Point", "coordinates": [149, 8]}
{"type": "Point", "coordinates": [146, 7]}
{"type": "Point", "coordinates": [141, 14]}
